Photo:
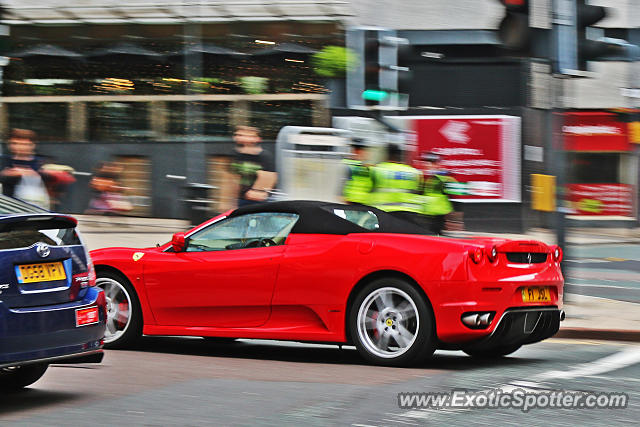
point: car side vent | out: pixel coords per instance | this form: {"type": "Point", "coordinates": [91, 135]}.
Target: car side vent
{"type": "Point", "coordinates": [527, 257]}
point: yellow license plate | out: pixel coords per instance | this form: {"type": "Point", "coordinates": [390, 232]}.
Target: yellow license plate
{"type": "Point", "coordinates": [45, 272]}
{"type": "Point", "coordinates": [536, 294]}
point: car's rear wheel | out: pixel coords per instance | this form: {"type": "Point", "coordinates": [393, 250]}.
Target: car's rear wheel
{"type": "Point", "coordinates": [494, 352]}
{"type": "Point", "coordinates": [391, 323]}
{"type": "Point", "coordinates": [124, 317]}
{"type": "Point", "coordinates": [15, 378]}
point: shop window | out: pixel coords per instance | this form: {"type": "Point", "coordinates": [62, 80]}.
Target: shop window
{"type": "Point", "coordinates": [113, 121]}
{"type": "Point", "coordinates": [271, 116]}
{"type": "Point", "coordinates": [214, 119]}
{"type": "Point", "coordinates": [135, 180]}
{"type": "Point", "coordinates": [594, 168]}
{"type": "Point", "coordinates": [224, 182]}
{"type": "Point", "coordinates": [48, 120]}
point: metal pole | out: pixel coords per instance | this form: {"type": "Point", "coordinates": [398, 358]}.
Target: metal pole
{"type": "Point", "coordinates": [195, 148]}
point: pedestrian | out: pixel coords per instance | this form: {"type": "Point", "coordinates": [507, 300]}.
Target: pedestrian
{"type": "Point", "coordinates": [396, 187]}
{"type": "Point", "coordinates": [60, 179]}
{"type": "Point", "coordinates": [357, 183]}
{"type": "Point", "coordinates": [21, 172]}
{"type": "Point", "coordinates": [438, 186]}
{"type": "Point", "coordinates": [254, 166]}
{"type": "Point", "coordinates": [108, 195]}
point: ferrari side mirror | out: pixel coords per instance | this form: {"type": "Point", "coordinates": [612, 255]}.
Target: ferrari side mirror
{"type": "Point", "coordinates": [178, 242]}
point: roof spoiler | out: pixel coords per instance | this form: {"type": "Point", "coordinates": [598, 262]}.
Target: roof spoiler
{"type": "Point", "coordinates": [42, 221]}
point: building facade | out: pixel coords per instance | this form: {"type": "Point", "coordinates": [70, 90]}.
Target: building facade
{"type": "Point", "coordinates": [159, 86]}
{"type": "Point", "coordinates": [460, 67]}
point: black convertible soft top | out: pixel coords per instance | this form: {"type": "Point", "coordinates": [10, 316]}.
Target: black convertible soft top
{"type": "Point", "coordinates": [319, 218]}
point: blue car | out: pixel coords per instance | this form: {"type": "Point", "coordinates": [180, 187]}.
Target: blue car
{"type": "Point", "coordinates": [50, 309]}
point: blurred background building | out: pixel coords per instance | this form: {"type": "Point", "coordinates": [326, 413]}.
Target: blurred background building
{"type": "Point", "coordinates": [159, 86]}
{"type": "Point", "coordinates": [105, 80]}
{"type": "Point", "coordinates": [492, 57]}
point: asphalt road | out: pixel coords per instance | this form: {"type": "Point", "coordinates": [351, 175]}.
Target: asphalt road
{"type": "Point", "coordinates": [607, 271]}
{"type": "Point", "coordinates": [187, 381]}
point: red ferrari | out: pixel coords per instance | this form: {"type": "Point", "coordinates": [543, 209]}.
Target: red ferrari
{"type": "Point", "coordinates": [326, 272]}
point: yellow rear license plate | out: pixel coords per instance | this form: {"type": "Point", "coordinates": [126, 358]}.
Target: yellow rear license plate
{"type": "Point", "coordinates": [45, 272]}
{"type": "Point", "coordinates": [536, 294]}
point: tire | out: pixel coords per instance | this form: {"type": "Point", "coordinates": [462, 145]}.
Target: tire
{"type": "Point", "coordinates": [391, 323]}
{"type": "Point", "coordinates": [124, 316]}
{"type": "Point", "coordinates": [492, 353]}
{"type": "Point", "coordinates": [16, 378]}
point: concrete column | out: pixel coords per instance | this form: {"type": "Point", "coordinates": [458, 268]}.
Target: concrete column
{"type": "Point", "coordinates": [240, 114]}
{"type": "Point", "coordinates": [158, 117]}
{"type": "Point", "coordinates": [320, 113]}
{"type": "Point", "coordinates": [4, 121]}
{"type": "Point", "coordinates": [77, 124]}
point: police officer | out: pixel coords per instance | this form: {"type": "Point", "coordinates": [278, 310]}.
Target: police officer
{"type": "Point", "coordinates": [438, 186]}
{"type": "Point", "coordinates": [396, 186]}
{"type": "Point", "coordinates": [357, 186]}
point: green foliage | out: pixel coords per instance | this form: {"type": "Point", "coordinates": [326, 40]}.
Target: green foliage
{"type": "Point", "coordinates": [333, 61]}
{"type": "Point", "coordinates": [254, 85]}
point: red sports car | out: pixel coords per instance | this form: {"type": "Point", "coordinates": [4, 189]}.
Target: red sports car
{"type": "Point", "coordinates": [326, 272]}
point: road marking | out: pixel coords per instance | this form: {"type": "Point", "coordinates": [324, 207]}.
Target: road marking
{"type": "Point", "coordinates": [621, 359]}
{"type": "Point", "coordinates": [624, 358]}
{"type": "Point", "coordinates": [587, 260]}
{"type": "Point", "coordinates": [591, 285]}
{"type": "Point", "coordinates": [611, 258]}
{"type": "Point", "coordinates": [565, 341]}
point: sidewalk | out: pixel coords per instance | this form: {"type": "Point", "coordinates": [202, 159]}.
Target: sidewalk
{"type": "Point", "coordinates": [587, 317]}
{"type": "Point", "coordinates": [600, 319]}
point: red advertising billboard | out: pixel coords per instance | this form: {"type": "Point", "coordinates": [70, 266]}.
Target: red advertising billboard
{"type": "Point", "coordinates": [595, 131]}
{"type": "Point", "coordinates": [601, 199]}
{"type": "Point", "coordinates": [480, 152]}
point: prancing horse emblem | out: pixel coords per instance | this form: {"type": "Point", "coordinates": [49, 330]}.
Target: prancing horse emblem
{"type": "Point", "coordinates": [529, 257]}
{"type": "Point", "coordinates": [43, 250]}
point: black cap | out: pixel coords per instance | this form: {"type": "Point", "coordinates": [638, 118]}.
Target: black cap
{"type": "Point", "coordinates": [357, 142]}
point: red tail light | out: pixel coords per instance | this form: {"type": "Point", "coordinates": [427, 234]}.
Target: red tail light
{"type": "Point", "coordinates": [556, 252]}
{"type": "Point", "coordinates": [492, 253]}
{"type": "Point", "coordinates": [476, 255]}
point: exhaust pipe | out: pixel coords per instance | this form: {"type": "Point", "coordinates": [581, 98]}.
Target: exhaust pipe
{"type": "Point", "coordinates": [478, 320]}
{"type": "Point", "coordinates": [471, 320]}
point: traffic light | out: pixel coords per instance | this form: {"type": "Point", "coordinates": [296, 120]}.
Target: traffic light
{"type": "Point", "coordinates": [514, 31]}
{"type": "Point", "coordinates": [586, 16]}
{"type": "Point", "coordinates": [385, 78]}
{"type": "Point", "coordinates": [371, 61]}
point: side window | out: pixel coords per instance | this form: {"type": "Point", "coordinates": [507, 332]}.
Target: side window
{"type": "Point", "coordinates": [246, 231]}
{"type": "Point", "coordinates": [365, 219]}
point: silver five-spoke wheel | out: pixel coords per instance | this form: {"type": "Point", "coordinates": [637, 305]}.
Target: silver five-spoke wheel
{"type": "Point", "coordinates": [118, 308]}
{"type": "Point", "coordinates": [391, 323]}
{"type": "Point", "coordinates": [388, 322]}
{"type": "Point", "coordinates": [123, 312]}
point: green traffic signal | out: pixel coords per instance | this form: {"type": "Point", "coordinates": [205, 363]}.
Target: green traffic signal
{"type": "Point", "coordinates": [375, 95]}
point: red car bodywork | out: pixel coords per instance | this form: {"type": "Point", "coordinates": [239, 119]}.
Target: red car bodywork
{"type": "Point", "coordinates": [302, 290]}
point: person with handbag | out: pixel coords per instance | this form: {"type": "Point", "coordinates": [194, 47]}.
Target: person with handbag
{"type": "Point", "coordinates": [21, 172]}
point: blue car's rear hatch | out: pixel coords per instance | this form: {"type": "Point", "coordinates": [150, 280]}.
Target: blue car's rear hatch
{"type": "Point", "coordinates": [42, 260]}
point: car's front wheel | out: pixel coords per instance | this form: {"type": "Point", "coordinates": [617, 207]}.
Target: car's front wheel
{"type": "Point", "coordinates": [391, 323]}
{"type": "Point", "coordinates": [124, 316]}
{"type": "Point", "coordinates": [15, 378]}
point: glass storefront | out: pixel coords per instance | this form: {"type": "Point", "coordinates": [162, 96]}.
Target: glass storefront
{"type": "Point", "coordinates": [271, 116]}
{"type": "Point", "coordinates": [49, 121]}
{"type": "Point", "coordinates": [113, 121]}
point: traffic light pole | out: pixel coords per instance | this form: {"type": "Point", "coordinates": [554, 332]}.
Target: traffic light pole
{"type": "Point", "coordinates": [556, 138]}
